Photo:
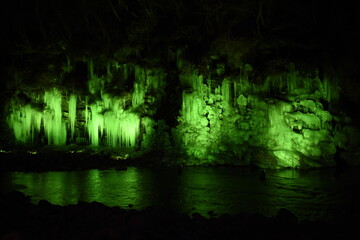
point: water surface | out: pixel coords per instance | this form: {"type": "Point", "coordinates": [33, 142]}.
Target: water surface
{"type": "Point", "coordinates": [310, 194]}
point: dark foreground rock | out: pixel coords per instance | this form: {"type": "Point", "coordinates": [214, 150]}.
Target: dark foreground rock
{"type": "Point", "coordinates": [23, 220]}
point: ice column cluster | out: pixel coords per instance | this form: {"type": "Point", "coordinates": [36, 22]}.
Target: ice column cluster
{"type": "Point", "coordinates": [56, 117]}
{"type": "Point", "coordinates": [27, 121]}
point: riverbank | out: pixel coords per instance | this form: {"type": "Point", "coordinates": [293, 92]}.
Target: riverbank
{"type": "Point", "coordinates": [75, 158]}
{"type": "Point", "coordinates": [23, 220]}
{"type": "Point", "coordinates": [43, 159]}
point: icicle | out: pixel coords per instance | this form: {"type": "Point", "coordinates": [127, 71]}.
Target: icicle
{"type": "Point", "coordinates": [242, 103]}
{"type": "Point", "coordinates": [192, 80]}
{"type": "Point", "coordinates": [138, 94]}
{"type": "Point", "coordinates": [96, 124]}
{"type": "Point", "coordinates": [147, 81]}
{"type": "Point", "coordinates": [86, 110]}
{"type": "Point", "coordinates": [96, 85]}
{"type": "Point", "coordinates": [112, 123]}
{"type": "Point", "coordinates": [235, 93]}
{"type": "Point", "coordinates": [139, 87]}
{"type": "Point", "coordinates": [68, 67]}
{"type": "Point", "coordinates": [155, 81]}
{"type": "Point", "coordinates": [226, 92]}
{"type": "Point", "coordinates": [116, 65]}
{"type": "Point", "coordinates": [72, 114]}
{"type": "Point", "coordinates": [121, 130]}
{"type": "Point", "coordinates": [125, 71]}
{"type": "Point", "coordinates": [140, 75]}
{"type": "Point", "coordinates": [107, 100]}
{"type": "Point", "coordinates": [129, 129]}
{"type": "Point", "coordinates": [25, 122]}
{"type": "Point", "coordinates": [191, 107]}
{"type": "Point", "coordinates": [292, 82]}
{"type": "Point", "coordinates": [106, 120]}
{"type": "Point", "coordinates": [54, 127]}
{"type": "Point", "coordinates": [330, 91]}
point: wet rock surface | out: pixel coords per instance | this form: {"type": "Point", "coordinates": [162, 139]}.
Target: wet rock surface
{"type": "Point", "coordinates": [23, 220]}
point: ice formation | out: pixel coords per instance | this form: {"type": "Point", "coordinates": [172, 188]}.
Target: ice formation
{"type": "Point", "coordinates": [222, 119]}
{"type": "Point", "coordinates": [283, 118]}
{"type": "Point", "coordinates": [27, 121]}
{"type": "Point", "coordinates": [106, 121]}
{"type": "Point", "coordinates": [54, 126]}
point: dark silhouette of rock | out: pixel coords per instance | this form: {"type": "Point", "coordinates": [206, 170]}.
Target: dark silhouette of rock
{"type": "Point", "coordinates": [44, 203]}
{"type": "Point", "coordinates": [98, 221]}
{"type": "Point", "coordinates": [287, 218]}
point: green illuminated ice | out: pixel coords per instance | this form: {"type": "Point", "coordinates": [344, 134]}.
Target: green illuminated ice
{"type": "Point", "coordinates": [283, 121]}
{"type": "Point", "coordinates": [27, 121]}
{"type": "Point", "coordinates": [236, 121]}
{"type": "Point", "coordinates": [106, 120]}
{"type": "Point", "coordinates": [54, 126]}
{"type": "Point", "coordinates": [110, 120]}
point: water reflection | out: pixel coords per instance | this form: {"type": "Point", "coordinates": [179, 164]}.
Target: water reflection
{"type": "Point", "coordinates": [209, 189]}
{"type": "Point", "coordinates": [312, 194]}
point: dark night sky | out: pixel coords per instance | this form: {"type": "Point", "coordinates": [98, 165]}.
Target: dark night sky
{"type": "Point", "coordinates": [44, 21]}
{"type": "Point", "coordinates": [300, 29]}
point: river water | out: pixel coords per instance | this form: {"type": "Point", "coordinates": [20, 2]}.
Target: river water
{"type": "Point", "coordinates": [311, 194]}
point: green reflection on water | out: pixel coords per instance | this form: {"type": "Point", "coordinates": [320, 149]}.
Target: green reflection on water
{"type": "Point", "coordinates": [315, 194]}
{"type": "Point", "coordinates": [209, 189]}
{"type": "Point", "coordinates": [64, 188]}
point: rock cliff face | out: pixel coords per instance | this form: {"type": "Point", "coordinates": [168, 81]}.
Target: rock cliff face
{"type": "Point", "coordinates": [220, 90]}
